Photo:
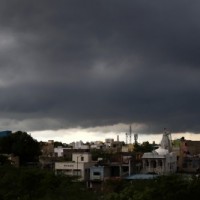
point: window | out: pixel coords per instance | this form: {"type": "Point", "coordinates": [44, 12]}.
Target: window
{"type": "Point", "coordinates": [96, 173]}
{"type": "Point", "coordinates": [82, 158]}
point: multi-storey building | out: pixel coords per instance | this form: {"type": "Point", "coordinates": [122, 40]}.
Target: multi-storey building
{"type": "Point", "coordinates": [189, 156]}
{"type": "Point", "coordinates": [79, 166]}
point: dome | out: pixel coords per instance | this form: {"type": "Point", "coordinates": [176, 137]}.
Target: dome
{"type": "Point", "coordinates": [162, 151]}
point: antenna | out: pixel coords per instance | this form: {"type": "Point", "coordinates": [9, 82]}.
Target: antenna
{"type": "Point", "coordinates": [117, 138]}
{"type": "Point", "coordinates": [129, 136]}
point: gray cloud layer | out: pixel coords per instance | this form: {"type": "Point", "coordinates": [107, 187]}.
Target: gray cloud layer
{"type": "Point", "coordinates": [99, 62]}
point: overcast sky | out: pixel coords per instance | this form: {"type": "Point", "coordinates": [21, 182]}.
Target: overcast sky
{"type": "Point", "coordinates": [95, 63]}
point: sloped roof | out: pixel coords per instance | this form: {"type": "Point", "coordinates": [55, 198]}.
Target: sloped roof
{"type": "Point", "coordinates": [142, 176]}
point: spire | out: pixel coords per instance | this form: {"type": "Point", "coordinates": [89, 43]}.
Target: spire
{"type": "Point", "coordinates": [166, 141]}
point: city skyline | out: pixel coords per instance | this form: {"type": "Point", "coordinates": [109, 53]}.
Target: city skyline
{"type": "Point", "coordinates": [76, 135]}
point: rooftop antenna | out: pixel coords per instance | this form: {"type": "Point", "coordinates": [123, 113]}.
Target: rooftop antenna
{"type": "Point", "coordinates": [129, 136]}
{"type": "Point", "coordinates": [117, 138]}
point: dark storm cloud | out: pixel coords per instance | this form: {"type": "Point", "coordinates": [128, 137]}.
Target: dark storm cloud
{"type": "Point", "coordinates": [88, 63]}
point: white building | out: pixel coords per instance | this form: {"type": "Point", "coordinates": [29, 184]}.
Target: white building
{"type": "Point", "coordinates": [97, 145]}
{"type": "Point", "coordinates": [59, 151]}
{"type": "Point", "coordinates": [80, 145]}
{"type": "Point", "coordinates": [79, 166]}
{"type": "Point", "coordinates": [109, 142]}
{"type": "Point", "coordinates": [161, 160]}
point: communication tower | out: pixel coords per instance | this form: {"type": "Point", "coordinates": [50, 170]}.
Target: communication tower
{"type": "Point", "coordinates": [129, 136]}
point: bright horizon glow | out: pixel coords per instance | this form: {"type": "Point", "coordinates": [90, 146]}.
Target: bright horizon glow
{"type": "Point", "coordinates": [73, 135]}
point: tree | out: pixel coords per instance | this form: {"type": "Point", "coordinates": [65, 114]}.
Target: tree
{"type": "Point", "coordinates": [174, 187]}
{"type": "Point", "coordinates": [144, 147]}
{"type": "Point", "coordinates": [37, 184]}
{"type": "Point", "coordinates": [4, 160]}
{"type": "Point", "coordinates": [21, 144]}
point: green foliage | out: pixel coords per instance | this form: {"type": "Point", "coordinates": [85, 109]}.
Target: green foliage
{"type": "Point", "coordinates": [98, 153]}
{"type": "Point", "coordinates": [114, 185]}
{"type": "Point", "coordinates": [144, 147]}
{"type": "Point", "coordinates": [6, 144]}
{"type": "Point", "coordinates": [35, 184]}
{"type": "Point", "coordinates": [56, 144]}
{"type": "Point", "coordinates": [164, 188]}
{"type": "Point", "coordinates": [4, 160]}
{"type": "Point", "coordinates": [20, 144]}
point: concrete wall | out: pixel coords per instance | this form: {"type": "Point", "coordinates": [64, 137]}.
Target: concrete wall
{"type": "Point", "coordinates": [82, 157]}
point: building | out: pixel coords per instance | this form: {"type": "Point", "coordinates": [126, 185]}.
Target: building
{"type": "Point", "coordinates": [97, 145]}
{"type": "Point", "coordinates": [79, 166]}
{"type": "Point", "coordinates": [46, 159]}
{"type": "Point", "coordinates": [61, 151]}
{"type": "Point", "coordinates": [109, 141]}
{"type": "Point", "coordinates": [98, 174]}
{"type": "Point", "coordinates": [80, 145]}
{"type": "Point", "coordinates": [127, 148]}
{"type": "Point", "coordinates": [189, 156]}
{"type": "Point", "coordinates": [47, 148]}
{"type": "Point", "coordinates": [162, 160]}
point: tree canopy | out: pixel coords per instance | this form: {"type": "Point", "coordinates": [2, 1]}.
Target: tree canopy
{"type": "Point", "coordinates": [175, 187]}
{"type": "Point", "coordinates": [36, 184]}
{"type": "Point", "coordinates": [20, 144]}
{"type": "Point", "coordinates": [144, 147]}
